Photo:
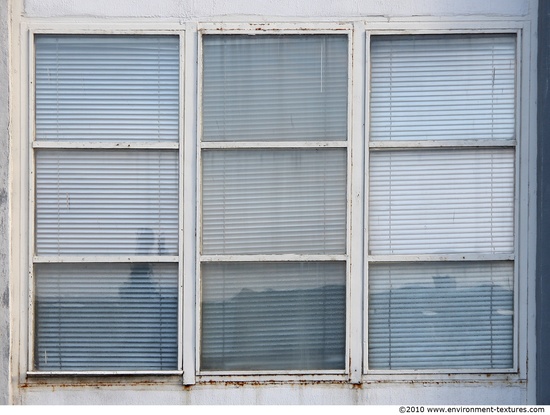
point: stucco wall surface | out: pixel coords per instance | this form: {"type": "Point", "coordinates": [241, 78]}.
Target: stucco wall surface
{"type": "Point", "coordinates": [4, 145]}
{"type": "Point", "coordinates": [269, 8]}
{"type": "Point", "coordinates": [376, 394]}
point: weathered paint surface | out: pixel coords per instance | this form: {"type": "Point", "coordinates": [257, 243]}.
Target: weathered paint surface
{"type": "Point", "coordinates": [4, 192]}
{"type": "Point", "coordinates": [319, 394]}
{"type": "Point", "coordinates": [267, 9]}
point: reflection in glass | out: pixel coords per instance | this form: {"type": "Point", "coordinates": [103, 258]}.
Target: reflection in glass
{"type": "Point", "coordinates": [95, 202]}
{"type": "Point", "coordinates": [106, 317]}
{"type": "Point", "coordinates": [441, 315]}
{"type": "Point", "coordinates": [273, 316]}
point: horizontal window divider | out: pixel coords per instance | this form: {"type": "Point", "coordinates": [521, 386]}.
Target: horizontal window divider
{"type": "Point", "coordinates": [74, 259]}
{"type": "Point", "coordinates": [441, 257]}
{"type": "Point", "coordinates": [277, 144]}
{"type": "Point", "coordinates": [423, 144]}
{"type": "Point", "coordinates": [272, 258]}
{"type": "Point", "coordinates": [105, 145]}
{"type": "Point", "coordinates": [277, 28]}
{"type": "Point", "coordinates": [107, 373]}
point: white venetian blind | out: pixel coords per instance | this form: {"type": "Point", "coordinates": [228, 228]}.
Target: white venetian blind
{"type": "Point", "coordinates": [441, 315]}
{"type": "Point", "coordinates": [438, 201]}
{"type": "Point", "coordinates": [92, 202]}
{"type": "Point", "coordinates": [441, 201]}
{"type": "Point", "coordinates": [107, 88]}
{"type": "Point", "coordinates": [274, 201]}
{"type": "Point", "coordinates": [445, 87]}
{"type": "Point", "coordinates": [95, 199]}
{"type": "Point", "coordinates": [273, 316]}
{"type": "Point", "coordinates": [106, 317]}
{"type": "Point", "coordinates": [283, 88]}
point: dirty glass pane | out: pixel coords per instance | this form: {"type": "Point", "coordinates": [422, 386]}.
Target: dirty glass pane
{"type": "Point", "coordinates": [273, 316]}
{"type": "Point", "coordinates": [107, 88]}
{"type": "Point", "coordinates": [100, 202]}
{"type": "Point", "coordinates": [106, 317]}
{"type": "Point", "coordinates": [274, 201]}
{"type": "Point", "coordinates": [443, 87]}
{"type": "Point", "coordinates": [275, 88]}
{"type": "Point", "coordinates": [441, 315]}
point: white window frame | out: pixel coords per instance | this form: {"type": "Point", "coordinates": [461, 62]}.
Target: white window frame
{"type": "Point", "coordinates": [34, 145]}
{"type": "Point", "coordinates": [352, 363]}
{"type": "Point", "coordinates": [523, 210]}
{"type": "Point", "coordinates": [359, 33]}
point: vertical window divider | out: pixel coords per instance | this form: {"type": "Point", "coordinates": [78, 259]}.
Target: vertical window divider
{"type": "Point", "coordinates": [181, 198]}
{"type": "Point", "coordinates": [197, 185]}
{"type": "Point", "coordinates": [188, 171]}
{"type": "Point", "coordinates": [365, 188]}
{"type": "Point", "coordinates": [522, 210]}
{"type": "Point", "coordinates": [31, 217]}
{"type": "Point", "coordinates": [356, 163]}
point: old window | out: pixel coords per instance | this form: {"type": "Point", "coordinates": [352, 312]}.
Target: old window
{"type": "Point", "coordinates": [107, 241]}
{"type": "Point", "coordinates": [441, 202]}
{"type": "Point", "coordinates": [274, 158]}
{"type": "Point", "coordinates": [274, 272]}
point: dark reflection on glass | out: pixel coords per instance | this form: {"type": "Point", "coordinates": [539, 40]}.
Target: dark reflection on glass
{"type": "Point", "coordinates": [141, 275]}
{"type": "Point", "coordinates": [293, 329]}
{"type": "Point", "coordinates": [441, 325]}
{"type": "Point", "coordinates": [107, 316]}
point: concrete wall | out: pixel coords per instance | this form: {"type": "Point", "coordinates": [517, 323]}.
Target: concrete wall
{"type": "Point", "coordinates": [4, 192]}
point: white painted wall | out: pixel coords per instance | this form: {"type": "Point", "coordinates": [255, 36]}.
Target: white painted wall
{"type": "Point", "coordinates": [484, 391]}
{"type": "Point", "coordinates": [374, 394]}
{"type": "Point", "coordinates": [266, 9]}
{"type": "Point", "coordinates": [4, 203]}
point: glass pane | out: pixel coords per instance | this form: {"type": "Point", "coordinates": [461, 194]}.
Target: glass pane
{"type": "Point", "coordinates": [265, 88]}
{"type": "Point", "coordinates": [106, 202]}
{"type": "Point", "coordinates": [274, 201]}
{"type": "Point", "coordinates": [107, 88]}
{"type": "Point", "coordinates": [443, 88]}
{"type": "Point", "coordinates": [106, 317]}
{"type": "Point", "coordinates": [441, 315]}
{"type": "Point", "coordinates": [441, 201]}
{"type": "Point", "coordinates": [273, 316]}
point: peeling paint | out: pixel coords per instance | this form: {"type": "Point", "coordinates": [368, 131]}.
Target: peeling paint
{"type": "Point", "coordinates": [5, 300]}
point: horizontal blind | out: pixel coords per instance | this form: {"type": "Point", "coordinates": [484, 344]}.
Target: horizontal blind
{"type": "Point", "coordinates": [274, 201]}
{"type": "Point", "coordinates": [441, 201]}
{"type": "Point", "coordinates": [265, 88]}
{"type": "Point", "coordinates": [273, 316]}
{"type": "Point", "coordinates": [106, 317]}
{"type": "Point", "coordinates": [441, 315]}
{"type": "Point", "coordinates": [107, 88]}
{"type": "Point", "coordinates": [97, 202]}
{"type": "Point", "coordinates": [445, 87]}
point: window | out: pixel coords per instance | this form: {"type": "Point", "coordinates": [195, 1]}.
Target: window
{"type": "Point", "coordinates": [441, 202]}
{"type": "Point", "coordinates": [107, 240]}
{"type": "Point", "coordinates": [281, 170]}
{"type": "Point", "coordinates": [274, 191]}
